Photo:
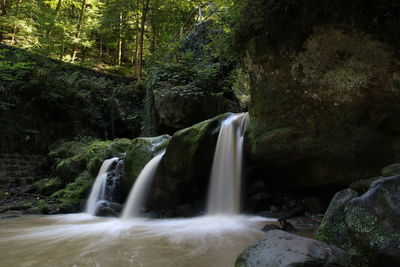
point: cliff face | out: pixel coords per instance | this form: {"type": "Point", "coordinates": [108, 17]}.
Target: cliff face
{"type": "Point", "coordinates": [325, 89]}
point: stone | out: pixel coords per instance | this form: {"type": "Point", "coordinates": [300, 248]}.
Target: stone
{"type": "Point", "coordinates": [258, 201]}
{"type": "Point", "coordinates": [367, 225]}
{"type": "Point", "coordinates": [333, 229]}
{"type": "Point", "coordinates": [391, 170]}
{"type": "Point", "coordinates": [282, 249]}
{"type": "Point", "coordinates": [316, 118]}
{"type": "Point", "coordinates": [270, 227]}
{"type": "Point", "coordinates": [184, 170]}
{"type": "Point", "coordinates": [139, 153]}
{"type": "Point", "coordinates": [107, 209]}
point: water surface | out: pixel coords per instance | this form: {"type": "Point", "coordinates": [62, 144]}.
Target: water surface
{"type": "Point", "coordinates": [85, 240]}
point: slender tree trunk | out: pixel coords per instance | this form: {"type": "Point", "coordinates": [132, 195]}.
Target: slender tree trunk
{"type": "Point", "coordinates": [62, 49]}
{"type": "Point", "coordinates": [100, 49]}
{"type": "Point", "coordinates": [53, 22]}
{"type": "Point", "coordinates": [120, 39]}
{"type": "Point", "coordinates": [14, 32]}
{"type": "Point", "coordinates": [137, 33]}
{"type": "Point", "coordinates": [3, 13]}
{"type": "Point", "coordinates": [139, 56]}
{"type": "Point", "coordinates": [78, 30]}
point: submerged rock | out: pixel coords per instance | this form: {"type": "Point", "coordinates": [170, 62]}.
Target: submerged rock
{"type": "Point", "coordinates": [279, 248]}
{"type": "Point", "coordinates": [368, 225]}
{"type": "Point", "coordinates": [108, 209]}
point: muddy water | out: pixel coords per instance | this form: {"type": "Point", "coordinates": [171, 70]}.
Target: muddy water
{"type": "Point", "coordinates": [84, 240]}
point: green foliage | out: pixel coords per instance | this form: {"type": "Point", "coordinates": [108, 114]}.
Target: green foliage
{"type": "Point", "coordinates": [75, 165]}
{"type": "Point", "coordinates": [54, 100]}
{"type": "Point", "coordinates": [75, 193]}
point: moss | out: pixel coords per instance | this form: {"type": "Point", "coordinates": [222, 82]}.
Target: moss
{"type": "Point", "coordinates": [141, 151]}
{"type": "Point", "coordinates": [2, 195]}
{"type": "Point", "coordinates": [48, 186]}
{"type": "Point", "coordinates": [333, 229]}
{"type": "Point", "coordinates": [24, 205]}
{"type": "Point", "coordinates": [240, 263]}
{"type": "Point", "coordinates": [75, 193]}
{"type": "Point", "coordinates": [76, 165]}
{"type": "Point", "coordinates": [391, 170]}
{"type": "Point", "coordinates": [99, 151]}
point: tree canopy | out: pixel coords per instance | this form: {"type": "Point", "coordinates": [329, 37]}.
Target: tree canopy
{"type": "Point", "coordinates": [118, 36]}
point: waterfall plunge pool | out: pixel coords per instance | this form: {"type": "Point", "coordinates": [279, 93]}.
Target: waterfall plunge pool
{"type": "Point", "coordinates": [86, 240]}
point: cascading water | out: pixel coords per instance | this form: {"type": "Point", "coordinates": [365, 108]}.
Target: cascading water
{"type": "Point", "coordinates": [225, 181]}
{"type": "Point", "coordinates": [98, 192]}
{"type": "Point", "coordinates": [137, 197]}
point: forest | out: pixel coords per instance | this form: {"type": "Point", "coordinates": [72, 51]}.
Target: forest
{"type": "Point", "coordinates": [122, 37]}
{"type": "Point", "coordinates": [246, 133]}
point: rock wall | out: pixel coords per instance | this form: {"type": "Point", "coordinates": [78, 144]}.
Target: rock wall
{"type": "Point", "coordinates": [17, 169]}
{"type": "Point", "coordinates": [324, 90]}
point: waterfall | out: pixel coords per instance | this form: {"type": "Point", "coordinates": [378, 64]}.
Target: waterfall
{"type": "Point", "coordinates": [225, 181]}
{"type": "Point", "coordinates": [98, 191]}
{"type": "Point", "coordinates": [137, 197]}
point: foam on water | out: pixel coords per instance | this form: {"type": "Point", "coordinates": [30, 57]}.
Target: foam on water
{"type": "Point", "coordinates": [66, 240]}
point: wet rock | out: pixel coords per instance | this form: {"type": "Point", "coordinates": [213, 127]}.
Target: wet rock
{"type": "Point", "coordinates": [256, 187]}
{"type": "Point", "coordinates": [332, 229]}
{"type": "Point", "coordinates": [184, 170]}
{"type": "Point", "coordinates": [258, 201]}
{"type": "Point", "coordinates": [368, 225]}
{"type": "Point", "coordinates": [139, 153]}
{"type": "Point", "coordinates": [279, 248]}
{"type": "Point", "coordinates": [273, 208]}
{"type": "Point", "coordinates": [108, 209]}
{"type": "Point", "coordinates": [270, 227]}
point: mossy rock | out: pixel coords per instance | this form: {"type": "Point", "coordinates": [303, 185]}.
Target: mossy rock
{"type": "Point", "coordinates": [391, 170]}
{"type": "Point", "coordinates": [316, 119]}
{"type": "Point", "coordinates": [86, 156]}
{"type": "Point", "coordinates": [75, 193]}
{"type": "Point", "coordinates": [333, 229]}
{"type": "Point", "coordinates": [184, 170]}
{"type": "Point", "coordinates": [78, 170]}
{"type": "Point", "coordinates": [48, 186]}
{"type": "Point", "coordinates": [97, 152]}
{"type": "Point", "coordinates": [139, 153]}
{"type": "Point", "coordinates": [367, 225]}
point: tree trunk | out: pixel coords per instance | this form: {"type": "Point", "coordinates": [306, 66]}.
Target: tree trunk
{"type": "Point", "coordinates": [14, 32]}
{"type": "Point", "coordinates": [62, 49]}
{"type": "Point", "coordinates": [139, 55]}
{"type": "Point", "coordinates": [78, 30]}
{"type": "Point", "coordinates": [100, 49]}
{"type": "Point", "coordinates": [120, 39]}
{"type": "Point", "coordinates": [53, 22]}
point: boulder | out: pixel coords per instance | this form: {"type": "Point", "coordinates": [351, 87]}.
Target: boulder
{"type": "Point", "coordinates": [332, 229]}
{"type": "Point", "coordinates": [368, 225]}
{"type": "Point", "coordinates": [279, 248]}
{"type": "Point", "coordinates": [181, 106]}
{"type": "Point", "coordinates": [108, 209]}
{"type": "Point", "coordinates": [319, 106]}
{"type": "Point", "coordinates": [139, 153]}
{"type": "Point", "coordinates": [184, 170]}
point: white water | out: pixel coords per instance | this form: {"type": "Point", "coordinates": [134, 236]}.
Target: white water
{"type": "Point", "coordinates": [138, 195]}
{"type": "Point", "coordinates": [84, 240]}
{"type": "Point", "coordinates": [99, 187]}
{"type": "Point", "coordinates": [225, 181]}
